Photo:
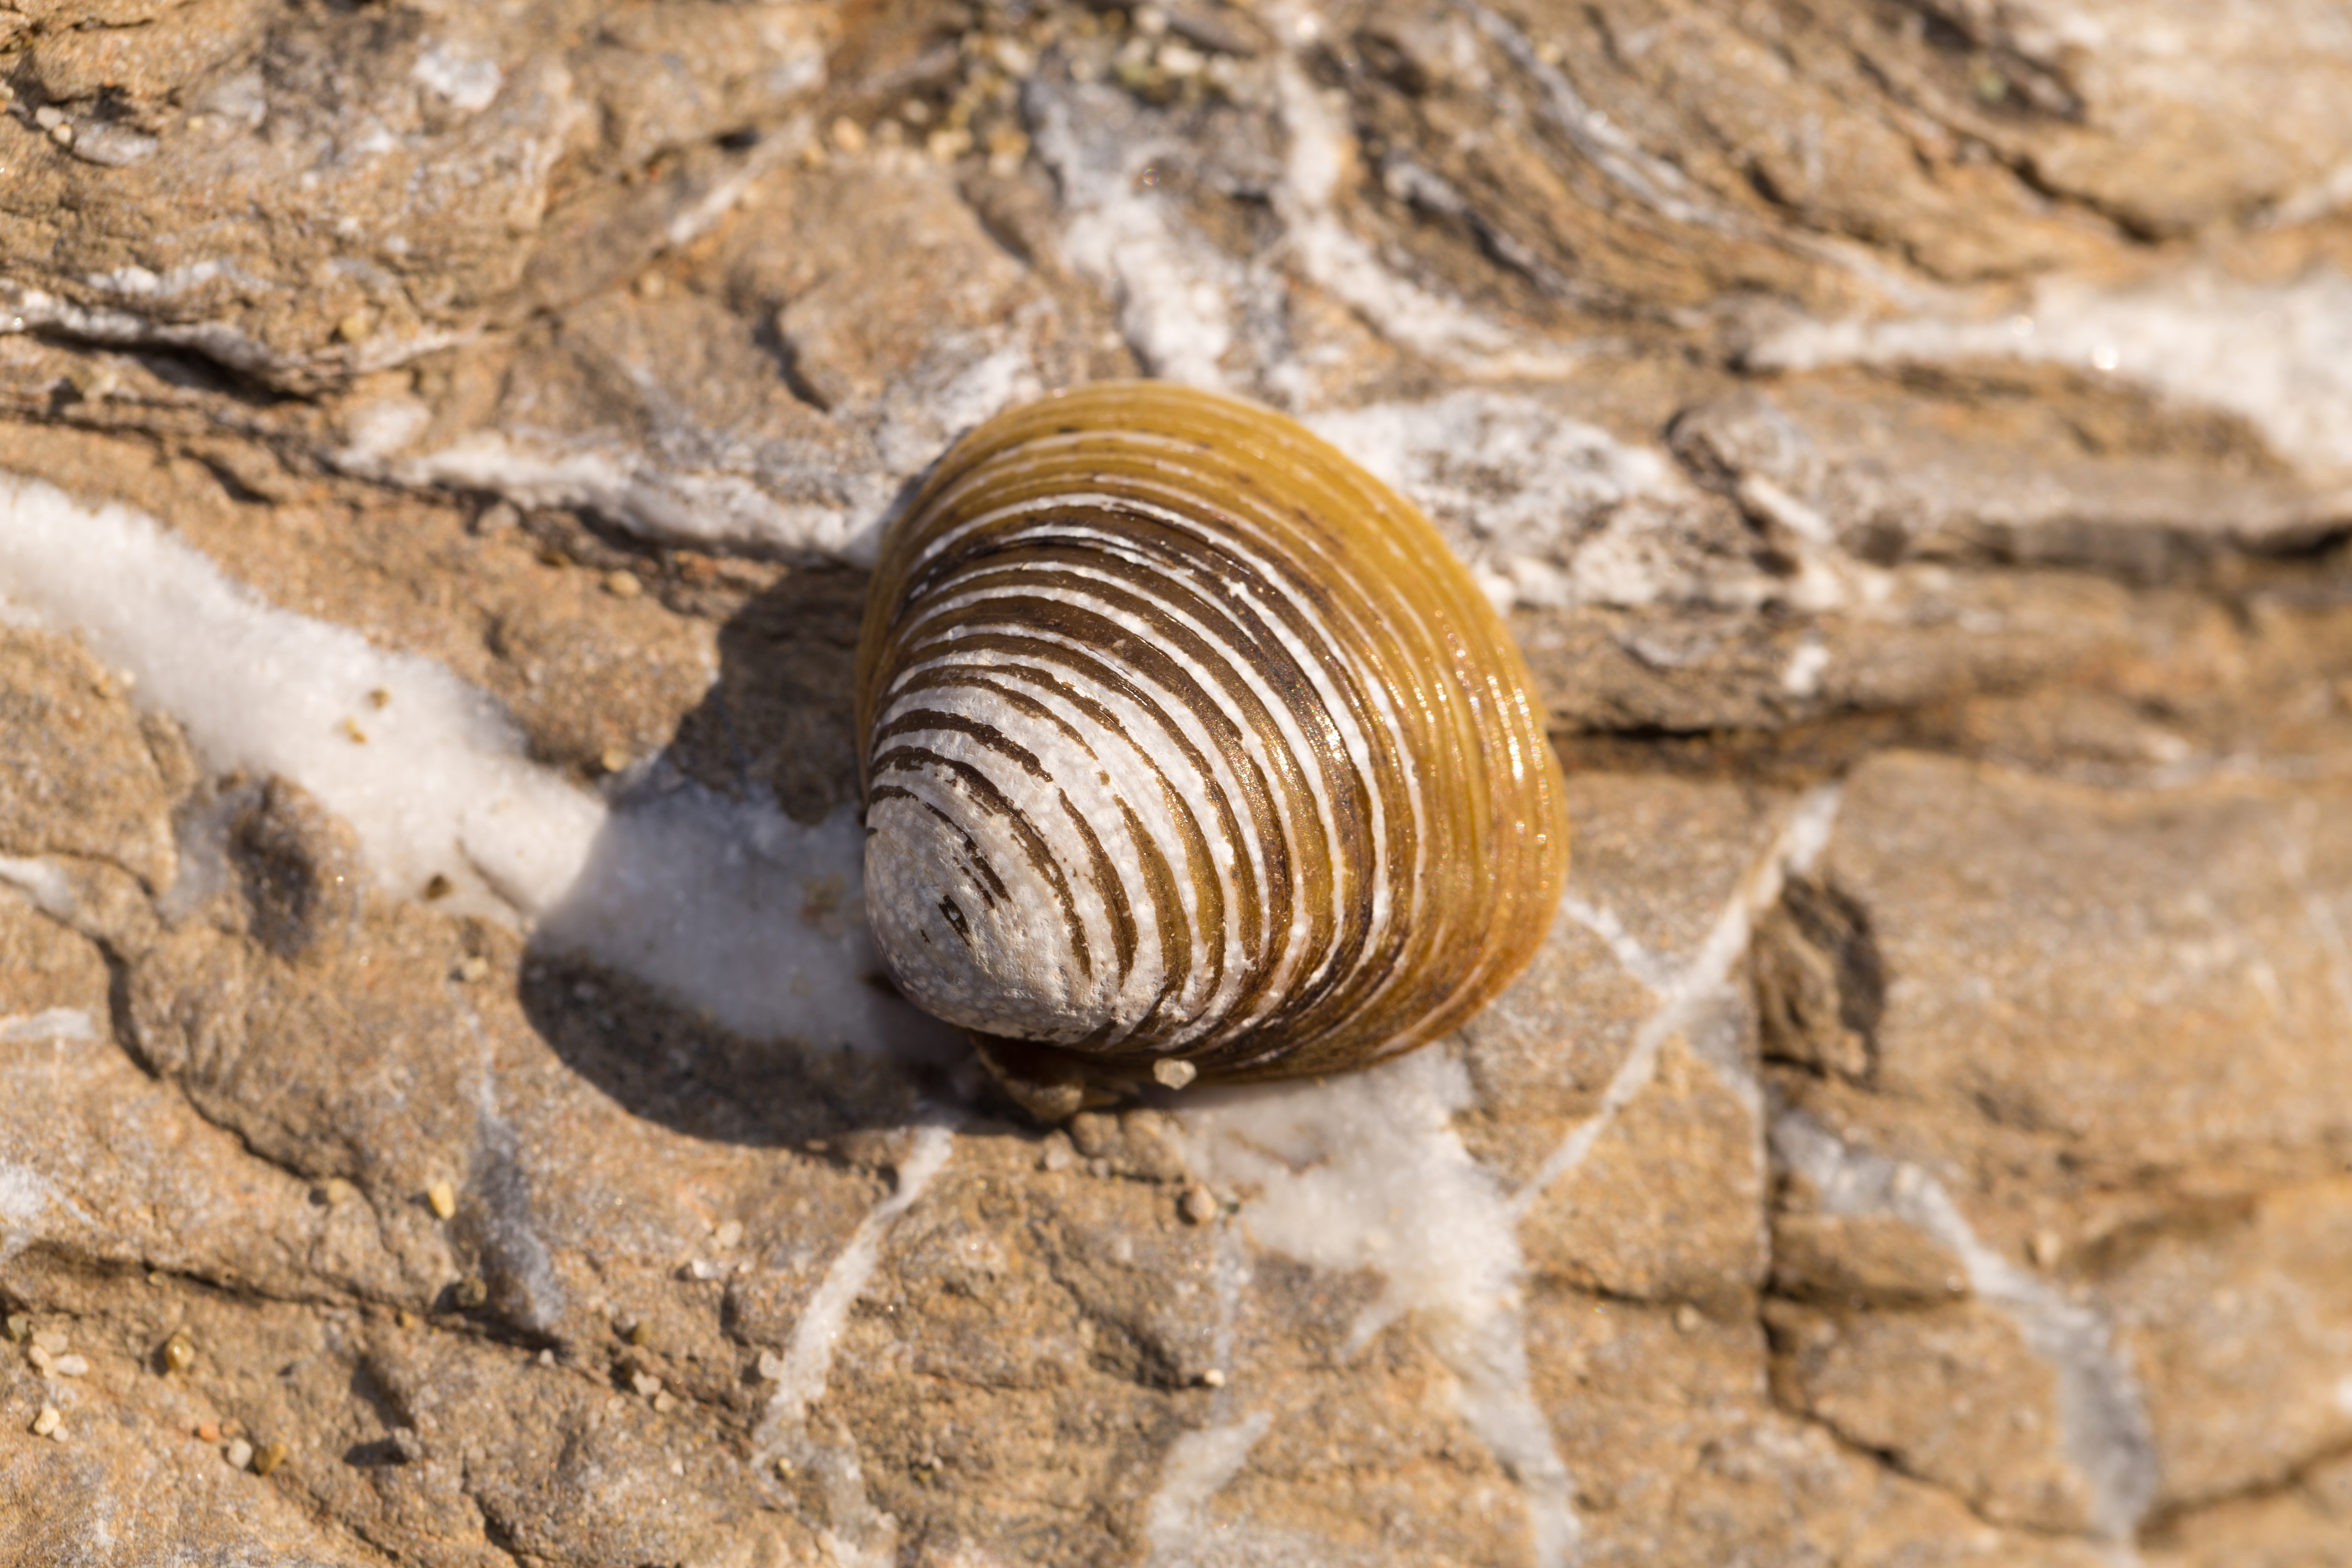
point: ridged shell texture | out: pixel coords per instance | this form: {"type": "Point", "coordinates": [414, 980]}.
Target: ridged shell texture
{"type": "Point", "coordinates": [1186, 737]}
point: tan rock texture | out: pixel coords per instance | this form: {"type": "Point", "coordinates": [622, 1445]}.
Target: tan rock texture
{"type": "Point", "coordinates": [448, 1116]}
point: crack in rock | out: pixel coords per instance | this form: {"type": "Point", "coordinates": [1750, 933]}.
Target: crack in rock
{"type": "Point", "coordinates": [2101, 1415]}
{"type": "Point", "coordinates": [1691, 996]}
{"type": "Point", "coordinates": [858, 1534]}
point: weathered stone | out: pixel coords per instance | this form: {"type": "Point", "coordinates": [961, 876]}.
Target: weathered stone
{"type": "Point", "coordinates": [2029, 929]}
{"type": "Point", "coordinates": [101, 795]}
{"type": "Point", "coordinates": [1663, 1207]}
{"type": "Point", "coordinates": [2227, 1310]}
{"type": "Point", "coordinates": [1915, 1141]}
{"type": "Point", "coordinates": [1653, 861]}
{"type": "Point", "coordinates": [2303, 1522]}
{"type": "Point", "coordinates": [1862, 1260]}
{"type": "Point", "coordinates": [1953, 1395]}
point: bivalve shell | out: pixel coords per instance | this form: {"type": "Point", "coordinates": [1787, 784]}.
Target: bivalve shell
{"type": "Point", "coordinates": [1185, 740]}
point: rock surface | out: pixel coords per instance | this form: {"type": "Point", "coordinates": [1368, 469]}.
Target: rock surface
{"type": "Point", "coordinates": [445, 1117]}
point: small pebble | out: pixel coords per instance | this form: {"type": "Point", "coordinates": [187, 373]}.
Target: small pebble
{"type": "Point", "coordinates": [41, 1360]}
{"type": "Point", "coordinates": [498, 518]}
{"type": "Point", "coordinates": [1058, 1154]}
{"type": "Point", "coordinates": [472, 967]}
{"type": "Point", "coordinates": [404, 1319]}
{"type": "Point", "coordinates": [50, 1340]}
{"type": "Point", "coordinates": [179, 1351]}
{"type": "Point", "coordinates": [61, 134]}
{"type": "Point", "coordinates": [638, 1334]}
{"type": "Point", "coordinates": [20, 1328]}
{"type": "Point", "coordinates": [848, 136]}
{"type": "Point", "coordinates": [442, 1197]}
{"type": "Point", "coordinates": [613, 760]}
{"type": "Point", "coordinates": [437, 886]}
{"type": "Point", "coordinates": [623, 584]}
{"type": "Point", "coordinates": [208, 1432]}
{"type": "Point", "coordinates": [664, 1404]}
{"type": "Point", "coordinates": [354, 733]}
{"type": "Point", "coordinates": [771, 1367]}
{"type": "Point", "coordinates": [1199, 1206]}
{"type": "Point", "coordinates": [1006, 148]}
{"type": "Point", "coordinates": [1174, 1073]}
{"type": "Point", "coordinates": [729, 1234]}
{"type": "Point", "coordinates": [547, 1358]}
{"type": "Point", "coordinates": [48, 116]}
{"type": "Point", "coordinates": [783, 1468]}
{"type": "Point", "coordinates": [47, 1421]}
{"type": "Point", "coordinates": [378, 699]}
{"type": "Point", "coordinates": [72, 1366]}
{"type": "Point", "coordinates": [2046, 1248]}
{"type": "Point", "coordinates": [1686, 1318]}
{"type": "Point", "coordinates": [269, 1458]}
{"type": "Point", "coordinates": [645, 1383]}
{"type": "Point", "coordinates": [468, 1293]}
{"type": "Point", "coordinates": [1215, 1377]}
{"type": "Point", "coordinates": [338, 1191]}
{"type": "Point", "coordinates": [353, 328]}
{"type": "Point", "coordinates": [238, 1454]}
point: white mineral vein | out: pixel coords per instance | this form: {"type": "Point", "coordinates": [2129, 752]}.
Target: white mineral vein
{"type": "Point", "coordinates": [694, 893]}
{"type": "Point", "coordinates": [2100, 1413]}
{"type": "Point", "coordinates": [1367, 1172]}
{"type": "Point", "coordinates": [1197, 1467]}
{"type": "Point", "coordinates": [1687, 997]}
{"type": "Point", "coordinates": [860, 1535]}
{"type": "Point", "coordinates": [2280, 354]}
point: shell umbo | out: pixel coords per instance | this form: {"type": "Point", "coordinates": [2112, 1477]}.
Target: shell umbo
{"type": "Point", "coordinates": [1185, 739]}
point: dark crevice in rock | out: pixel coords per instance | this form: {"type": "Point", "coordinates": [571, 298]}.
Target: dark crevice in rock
{"type": "Point", "coordinates": [2190, 1220]}
{"type": "Point", "coordinates": [245, 383]}
{"type": "Point", "coordinates": [1820, 981]}
{"type": "Point", "coordinates": [496, 1533]}
{"type": "Point", "coordinates": [769, 335]}
{"type": "Point", "coordinates": [2165, 1521]}
{"type": "Point", "coordinates": [300, 869]}
{"type": "Point", "coordinates": [1891, 1460]}
{"type": "Point", "coordinates": [229, 1286]}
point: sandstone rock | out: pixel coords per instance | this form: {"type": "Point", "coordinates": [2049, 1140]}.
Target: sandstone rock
{"type": "Point", "coordinates": [431, 987]}
{"type": "Point", "coordinates": [1977, 1412]}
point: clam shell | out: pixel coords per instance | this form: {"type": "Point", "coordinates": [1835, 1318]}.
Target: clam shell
{"type": "Point", "coordinates": [1186, 738]}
